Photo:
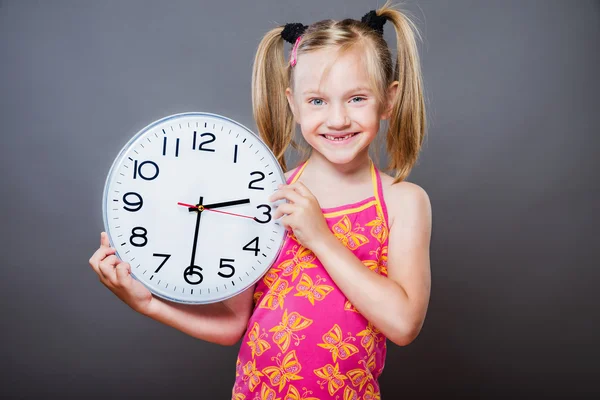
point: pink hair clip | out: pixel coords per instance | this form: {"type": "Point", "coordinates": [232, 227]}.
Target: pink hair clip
{"type": "Point", "coordinates": [294, 55]}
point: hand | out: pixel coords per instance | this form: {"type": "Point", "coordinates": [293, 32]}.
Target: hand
{"type": "Point", "coordinates": [116, 276]}
{"type": "Point", "coordinates": [304, 216]}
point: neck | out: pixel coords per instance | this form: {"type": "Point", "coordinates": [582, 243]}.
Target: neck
{"type": "Point", "coordinates": [334, 175]}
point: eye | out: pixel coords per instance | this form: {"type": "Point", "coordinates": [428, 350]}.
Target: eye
{"type": "Point", "coordinates": [316, 102]}
{"type": "Point", "coordinates": [359, 98]}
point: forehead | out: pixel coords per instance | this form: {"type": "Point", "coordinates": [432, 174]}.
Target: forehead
{"type": "Point", "coordinates": [326, 70]}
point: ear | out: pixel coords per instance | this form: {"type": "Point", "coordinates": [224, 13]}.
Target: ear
{"type": "Point", "coordinates": [290, 98]}
{"type": "Point", "coordinates": [391, 96]}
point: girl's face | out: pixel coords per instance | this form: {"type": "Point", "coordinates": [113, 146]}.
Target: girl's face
{"type": "Point", "coordinates": [343, 105]}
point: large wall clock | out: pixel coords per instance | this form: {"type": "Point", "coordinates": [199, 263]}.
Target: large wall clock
{"type": "Point", "coordinates": [185, 204]}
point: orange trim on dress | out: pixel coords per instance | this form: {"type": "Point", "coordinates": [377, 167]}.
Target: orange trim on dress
{"type": "Point", "coordinates": [376, 191]}
{"type": "Point", "coordinates": [297, 174]}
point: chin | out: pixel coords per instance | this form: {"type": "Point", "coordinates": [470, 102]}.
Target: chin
{"type": "Point", "coordinates": [340, 158]}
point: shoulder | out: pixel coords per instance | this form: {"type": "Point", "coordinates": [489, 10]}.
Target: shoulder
{"type": "Point", "coordinates": [404, 199]}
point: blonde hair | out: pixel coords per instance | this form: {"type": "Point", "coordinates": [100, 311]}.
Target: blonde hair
{"type": "Point", "coordinates": [272, 74]}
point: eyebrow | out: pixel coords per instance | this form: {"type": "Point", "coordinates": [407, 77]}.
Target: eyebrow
{"type": "Point", "coordinates": [354, 90]}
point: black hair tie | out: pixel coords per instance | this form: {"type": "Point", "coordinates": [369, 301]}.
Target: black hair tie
{"type": "Point", "coordinates": [293, 31]}
{"type": "Point", "coordinates": [374, 21]}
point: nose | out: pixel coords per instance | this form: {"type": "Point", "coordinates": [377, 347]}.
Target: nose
{"type": "Point", "coordinates": [338, 117]}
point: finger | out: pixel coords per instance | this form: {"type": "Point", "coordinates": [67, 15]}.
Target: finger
{"type": "Point", "coordinates": [104, 240]}
{"type": "Point", "coordinates": [123, 271]}
{"type": "Point", "coordinates": [286, 193]}
{"type": "Point", "coordinates": [100, 255]}
{"type": "Point", "coordinates": [302, 189]}
{"type": "Point", "coordinates": [107, 267]}
{"type": "Point", "coordinates": [285, 222]}
{"type": "Point", "coordinates": [283, 208]}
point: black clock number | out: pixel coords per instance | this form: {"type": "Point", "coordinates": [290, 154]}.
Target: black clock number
{"type": "Point", "coordinates": [166, 256]}
{"type": "Point", "coordinates": [134, 235]}
{"type": "Point", "coordinates": [192, 275]}
{"type": "Point", "coordinates": [164, 152]}
{"type": "Point", "coordinates": [267, 213]}
{"type": "Point", "coordinates": [256, 250]}
{"type": "Point", "coordinates": [204, 142]}
{"type": "Point", "coordinates": [137, 170]}
{"type": "Point", "coordinates": [226, 266]}
{"type": "Point", "coordinates": [250, 186]}
{"type": "Point", "coordinates": [133, 206]}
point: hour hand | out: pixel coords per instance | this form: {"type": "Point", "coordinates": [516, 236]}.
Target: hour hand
{"type": "Point", "coordinates": [227, 203]}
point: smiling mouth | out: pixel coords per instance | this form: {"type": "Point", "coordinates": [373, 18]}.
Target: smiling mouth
{"type": "Point", "coordinates": [340, 138]}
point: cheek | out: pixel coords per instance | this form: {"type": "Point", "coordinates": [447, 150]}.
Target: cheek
{"type": "Point", "coordinates": [367, 117]}
{"type": "Point", "coordinates": [311, 120]}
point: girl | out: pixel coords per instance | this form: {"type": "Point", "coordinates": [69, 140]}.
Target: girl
{"type": "Point", "coordinates": [354, 269]}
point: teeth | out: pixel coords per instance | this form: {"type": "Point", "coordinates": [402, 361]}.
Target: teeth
{"type": "Point", "coordinates": [339, 138]}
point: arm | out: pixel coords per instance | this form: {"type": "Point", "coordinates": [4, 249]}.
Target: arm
{"type": "Point", "coordinates": [223, 323]}
{"type": "Point", "coordinates": [396, 304]}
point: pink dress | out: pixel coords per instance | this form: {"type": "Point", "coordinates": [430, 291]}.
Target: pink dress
{"type": "Point", "coordinates": [304, 339]}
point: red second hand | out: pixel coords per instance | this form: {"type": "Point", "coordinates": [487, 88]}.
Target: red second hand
{"type": "Point", "coordinates": [208, 209]}
{"type": "Point", "coordinates": [187, 205]}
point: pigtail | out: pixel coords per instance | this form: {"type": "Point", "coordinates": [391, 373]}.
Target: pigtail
{"type": "Point", "coordinates": [407, 122]}
{"type": "Point", "coordinates": [270, 108]}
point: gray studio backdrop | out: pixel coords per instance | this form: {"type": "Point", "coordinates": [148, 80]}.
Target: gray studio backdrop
{"type": "Point", "coordinates": [510, 165]}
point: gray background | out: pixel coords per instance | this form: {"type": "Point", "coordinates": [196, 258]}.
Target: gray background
{"type": "Point", "coordinates": [510, 166]}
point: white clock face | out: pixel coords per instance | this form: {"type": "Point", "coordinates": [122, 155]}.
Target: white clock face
{"type": "Point", "coordinates": [154, 213]}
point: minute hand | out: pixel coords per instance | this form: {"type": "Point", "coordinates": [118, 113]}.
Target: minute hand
{"type": "Point", "coordinates": [227, 203]}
